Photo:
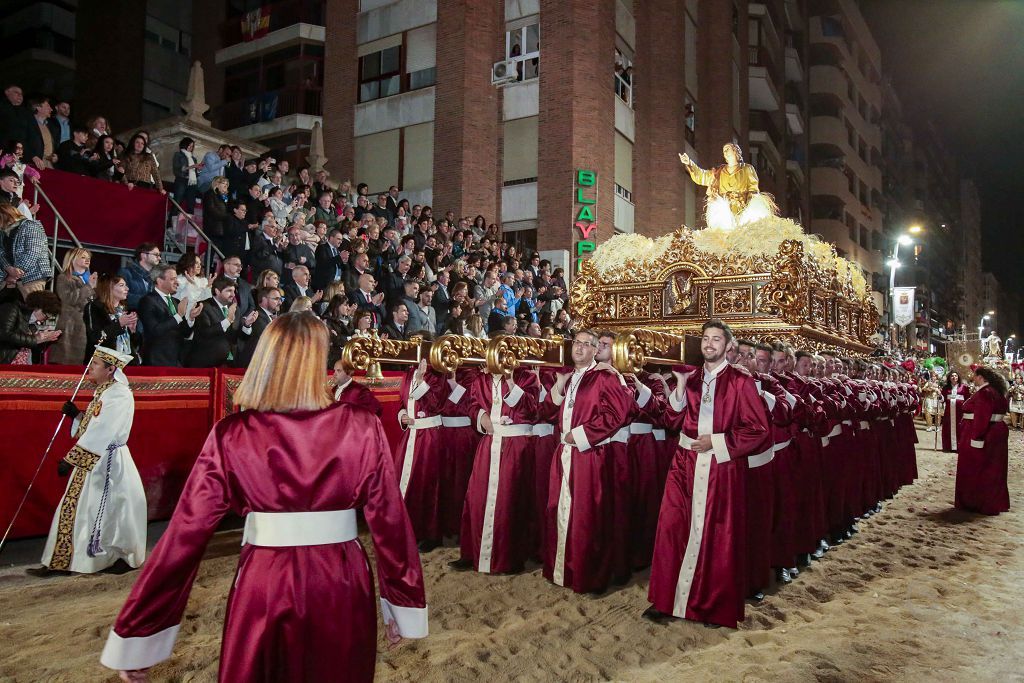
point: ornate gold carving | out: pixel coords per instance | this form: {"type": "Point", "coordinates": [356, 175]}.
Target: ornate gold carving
{"type": "Point", "coordinates": [679, 292]}
{"type": "Point", "coordinates": [733, 300]}
{"type": "Point", "coordinates": [786, 293]}
{"type": "Point", "coordinates": [448, 352]}
{"type": "Point", "coordinates": [588, 300]}
{"type": "Point", "coordinates": [702, 300]}
{"type": "Point", "coordinates": [632, 351]}
{"type": "Point", "coordinates": [506, 353]}
{"type": "Point", "coordinates": [64, 544]}
{"type": "Point", "coordinates": [361, 352]}
{"type": "Point", "coordinates": [634, 306]}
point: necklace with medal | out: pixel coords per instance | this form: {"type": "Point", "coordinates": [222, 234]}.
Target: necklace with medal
{"type": "Point", "coordinates": [574, 385]}
{"type": "Point", "coordinates": [707, 390]}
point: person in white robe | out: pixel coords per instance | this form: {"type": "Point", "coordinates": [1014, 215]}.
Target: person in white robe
{"type": "Point", "coordinates": [101, 518]}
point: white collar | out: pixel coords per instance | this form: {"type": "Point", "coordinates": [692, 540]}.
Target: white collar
{"type": "Point", "coordinates": [580, 371]}
{"type": "Point", "coordinates": [341, 387]}
{"type": "Point", "coordinates": [717, 371]}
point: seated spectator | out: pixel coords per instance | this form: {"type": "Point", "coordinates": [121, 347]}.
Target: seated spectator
{"type": "Point", "coordinates": [268, 304]}
{"type": "Point", "coordinates": [75, 286]}
{"type": "Point", "coordinates": [496, 319]}
{"type": "Point", "coordinates": [475, 327]}
{"type": "Point", "coordinates": [363, 325]}
{"type": "Point", "coordinates": [166, 323]}
{"type": "Point", "coordinates": [219, 330]}
{"type": "Point", "coordinates": [268, 278]}
{"type": "Point", "coordinates": [24, 254]}
{"type": "Point", "coordinates": [191, 283]}
{"type": "Point", "coordinates": [137, 273]}
{"type": "Point", "coordinates": [140, 167]}
{"type": "Point", "coordinates": [213, 167]}
{"type": "Point", "coordinates": [303, 304]}
{"type": "Point", "coordinates": [107, 321]}
{"type": "Point", "coordinates": [398, 327]}
{"type": "Point", "coordinates": [186, 175]}
{"type": "Point", "coordinates": [106, 165]}
{"type": "Point", "coordinates": [509, 325]}
{"type": "Point", "coordinates": [10, 183]}
{"type": "Point", "coordinates": [73, 156]}
{"type": "Point", "coordinates": [366, 299]}
{"type": "Point", "coordinates": [299, 287]}
{"type": "Point", "coordinates": [23, 333]}
{"type": "Point", "coordinates": [338, 318]}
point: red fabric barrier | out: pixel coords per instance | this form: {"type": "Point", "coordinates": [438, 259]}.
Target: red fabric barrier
{"type": "Point", "coordinates": [102, 212]}
{"type": "Point", "coordinates": [175, 409]}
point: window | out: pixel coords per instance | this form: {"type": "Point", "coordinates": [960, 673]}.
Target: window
{"type": "Point", "coordinates": [624, 78]}
{"type": "Point", "coordinates": [380, 74]}
{"type": "Point", "coordinates": [690, 120]}
{"type": "Point", "coordinates": [522, 46]}
{"type": "Point", "coordinates": [863, 239]}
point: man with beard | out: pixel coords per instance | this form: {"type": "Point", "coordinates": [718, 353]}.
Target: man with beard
{"type": "Point", "coordinates": [722, 421]}
{"type": "Point", "coordinates": [589, 407]}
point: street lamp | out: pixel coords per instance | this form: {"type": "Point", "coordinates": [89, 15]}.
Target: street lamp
{"type": "Point", "coordinates": [893, 264]}
{"type": "Point", "coordinates": [915, 229]}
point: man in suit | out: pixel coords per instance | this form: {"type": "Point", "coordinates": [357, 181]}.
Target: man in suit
{"type": "Point", "coordinates": [268, 306]}
{"type": "Point", "coordinates": [299, 286]}
{"type": "Point", "coordinates": [330, 261]}
{"type": "Point", "coordinates": [231, 268]}
{"type": "Point", "coordinates": [394, 282]}
{"type": "Point", "coordinates": [398, 328]}
{"type": "Point", "coordinates": [393, 201]}
{"type": "Point", "coordinates": [165, 322]}
{"type": "Point", "coordinates": [218, 328]}
{"type": "Point", "coordinates": [297, 253]}
{"type": "Point", "coordinates": [366, 300]}
{"type": "Point", "coordinates": [263, 248]}
{"type": "Point", "coordinates": [40, 147]}
{"type": "Point", "coordinates": [353, 276]}
{"type": "Point", "coordinates": [442, 301]}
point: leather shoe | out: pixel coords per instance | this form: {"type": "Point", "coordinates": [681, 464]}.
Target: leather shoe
{"type": "Point", "coordinates": [460, 565]}
{"type": "Point", "coordinates": [428, 544]}
{"type": "Point", "coordinates": [651, 614]}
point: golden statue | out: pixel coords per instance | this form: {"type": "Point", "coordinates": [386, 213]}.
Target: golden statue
{"type": "Point", "coordinates": [733, 197]}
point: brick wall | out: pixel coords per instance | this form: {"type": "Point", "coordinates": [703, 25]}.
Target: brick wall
{"type": "Point", "coordinates": [340, 86]}
{"type": "Point", "coordinates": [659, 180]}
{"type": "Point", "coordinates": [467, 108]}
{"type": "Point", "coordinates": [577, 114]}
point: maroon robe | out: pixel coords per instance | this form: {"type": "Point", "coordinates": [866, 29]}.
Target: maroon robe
{"type": "Point", "coordinates": [356, 393]}
{"type": "Point", "coordinates": [951, 421]}
{"type": "Point", "coordinates": [419, 457]}
{"type": "Point", "coordinates": [496, 529]}
{"type": "Point", "coordinates": [295, 612]}
{"type": "Point", "coordinates": [545, 443]}
{"type": "Point", "coordinates": [699, 562]}
{"type": "Point", "coordinates": [579, 524]}
{"type": "Point", "coordinates": [760, 487]}
{"type": "Point", "coordinates": [458, 445]}
{"type": "Point", "coordinates": [645, 447]}
{"type": "Point", "coordinates": [983, 458]}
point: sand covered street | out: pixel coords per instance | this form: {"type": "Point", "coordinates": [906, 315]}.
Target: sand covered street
{"type": "Point", "coordinates": [922, 593]}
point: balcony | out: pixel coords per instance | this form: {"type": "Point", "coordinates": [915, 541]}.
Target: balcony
{"type": "Point", "coordinates": [794, 66]}
{"type": "Point", "coordinates": [794, 119]}
{"type": "Point", "coordinates": [269, 18]}
{"type": "Point", "coordinates": [831, 182]}
{"type": "Point", "coordinates": [764, 94]}
{"type": "Point", "coordinates": [269, 107]}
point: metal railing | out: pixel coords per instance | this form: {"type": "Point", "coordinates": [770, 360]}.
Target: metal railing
{"type": "Point", "coordinates": [195, 226]}
{"type": "Point", "coordinates": [58, 221]}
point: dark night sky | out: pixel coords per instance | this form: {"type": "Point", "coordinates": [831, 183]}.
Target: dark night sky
{"type": "Point", "coordinates": [961, 64]}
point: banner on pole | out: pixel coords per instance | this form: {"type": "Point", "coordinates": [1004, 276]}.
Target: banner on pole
{"type": "Point", "coordinates": [903, 306]}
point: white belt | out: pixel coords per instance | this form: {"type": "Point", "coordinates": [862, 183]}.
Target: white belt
{"type": "Point", "coordinates": [291, 529]}
{"type": "Point", "coordinates": [426, 422]}
{"type": "Point", "coordinates": [998, 417]}
{"type": "Point", "coordinates": [848, 423]}
{"type": "Point", "coordinates": [621, 436]}
{"type": "Point", "coordinates": [836, 431]}
{"type": "Point", "coordinates": [641, 428]}
{"type": "Point", "coordinates": [513, 430]}
{"type": "Point", "coordinates": [761, 458]}
{"type": "Point", "coordinates": [543, 429]}
{"type": "Point", "coordinates": [824, 441]}
{"type": "Point", "coordinates": [659, 434]}
{"type": "Point", "coordinates": [779, 446]}
{"type": "Point", "coordinates": [456, 421]}
{"type": "Point", "coordinates": [864, 424]}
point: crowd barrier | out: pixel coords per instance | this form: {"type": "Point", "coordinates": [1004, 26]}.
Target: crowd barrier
{"type": "Point", "coordinates": [175, 408]}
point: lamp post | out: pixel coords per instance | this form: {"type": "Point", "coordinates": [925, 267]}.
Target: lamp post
{"type": "Point", "coordinates": [894, 263]}
{"type": "Point", "coordinates": [981, 329]}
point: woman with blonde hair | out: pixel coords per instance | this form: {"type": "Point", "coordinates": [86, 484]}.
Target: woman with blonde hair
{"type": "Point", "coordinates": [302, 304]}
{"type": "Point", "coordinates": [76, 287]}
{"type": "Point", "coordinates": [297, 466]}
{"type": "Point", "coordinates": [267, 278]}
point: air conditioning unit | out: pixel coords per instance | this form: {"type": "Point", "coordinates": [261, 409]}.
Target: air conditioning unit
{"type": "Point", "coordinates": [504, 72]}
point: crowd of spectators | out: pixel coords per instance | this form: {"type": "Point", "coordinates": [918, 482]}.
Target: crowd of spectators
{"type": "Point", "coordinates": [285, 240]}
